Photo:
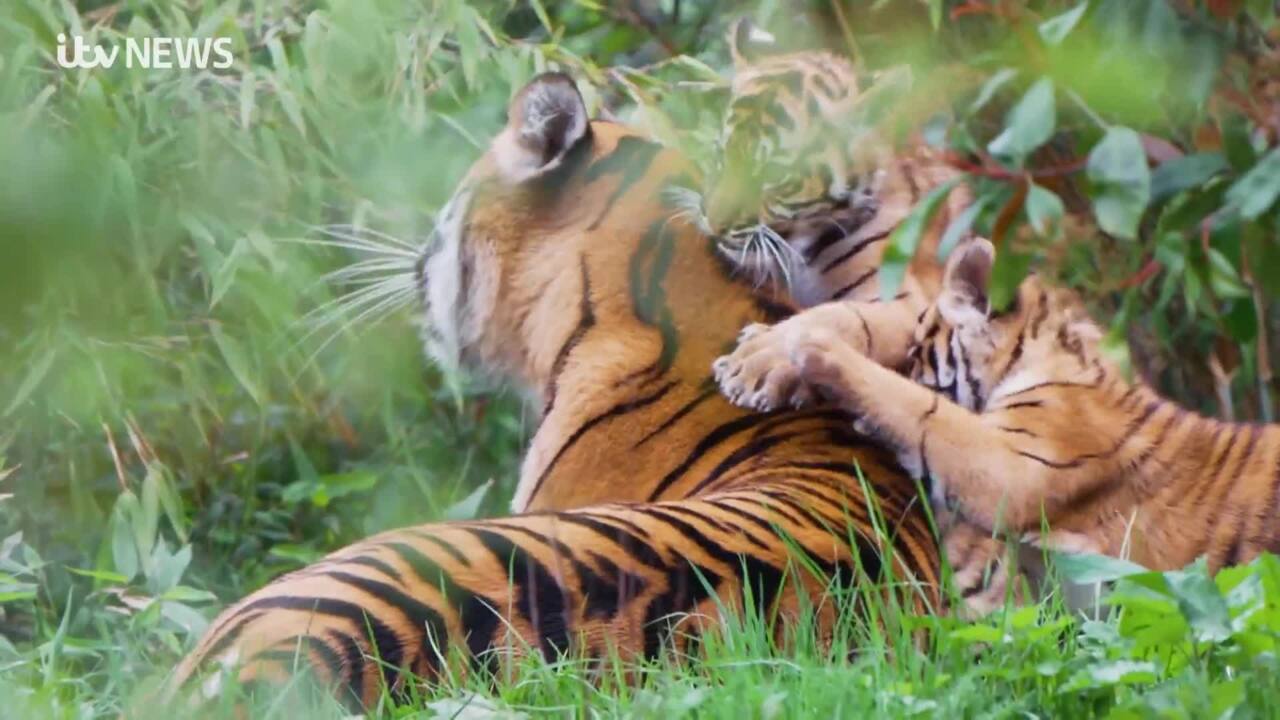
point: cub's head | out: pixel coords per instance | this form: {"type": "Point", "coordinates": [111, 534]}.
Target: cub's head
{"type": "Point", "coordinates": [783, 178]}
{"type": "Point", "coordinates": [965, 351]}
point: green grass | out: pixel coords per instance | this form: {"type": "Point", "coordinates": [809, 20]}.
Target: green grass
{"type": "Point", "coordinates": [177, 426]}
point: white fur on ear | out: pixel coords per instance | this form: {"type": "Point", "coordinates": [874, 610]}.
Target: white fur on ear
{"type": "Point", "coordinates": [966, 281]}
{"type": "Point", "coordinates": [747, 43]}
{"type": "Point", "coordinates": [545, 120]}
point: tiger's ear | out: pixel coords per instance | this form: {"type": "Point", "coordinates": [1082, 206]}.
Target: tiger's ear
{"type": "Point", "coordinates": [748, 43]}
{"type": "Point", "coordinates": [545, 120]}
{"type": "Point", "coordinates": [965, 283]}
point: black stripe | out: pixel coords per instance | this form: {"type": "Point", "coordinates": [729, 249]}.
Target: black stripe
{"type": "Point", "coordinates": [453, 552]}
{"type": "Point", "coordinates": [423, 618]}
{"type": "Point", "coordinates": [298, 646]}
{"type": "Point", "coordinates": [705, 445]}
{"type": "Point", "coordinates": [765, 577]}
{"type": "Point", "coordinates": [617, 410]}
{"type": "Point", "coordinates": [540, 599]}
{"type": "Point", "coordinates": [1271, 516]}
{"type": "Point", "coordinates": [684, 410]}
{"type": "Point", "coordinates": [477, 614]}
{"type": "Point", "coordinates": [599, 595]}
{"type": "Point", "coordinates": [1233, 479]}
{"type": "Point", "coordinates": [769, 529]}
{"type": "Point", "coordinates": [615, 589]}
{"type": "Point", "coordinates": [854, 250]}
{"type": "Point", "coordinates": [375, 564]}
{"type": "Point", "coordinates": [648, 270]}
{"type": "Point", "coordinates": [627, 541]}
{"type": "Point", "coordinates": [228, 631]}
{"type": "Point", "coordinates": [586, 320]}
{"type": "Point", "coordinates": [353, 662]}
{"type": "Point", "coordinates": [753, 449]}
{"type": "Point", "coordinates": [384, 641]}
{"type": "Point", "coordinates": [1017, 431]}
{"type": "Point", "coordinates": [1015, 406]}
{"type": "Point", "coordinates": [832, 235]}
{"type": "Point", "coordinates": [857, 283]}
{"type": "Point", "coordinates": [1051, 383]}
{"type": "Point", "coordinates": [631, 159]}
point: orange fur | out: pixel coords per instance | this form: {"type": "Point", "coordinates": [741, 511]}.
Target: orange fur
{"type": "Point", "coordinates": [558, 266]}
{"type": "Point", "coordinates": [1032, 424]}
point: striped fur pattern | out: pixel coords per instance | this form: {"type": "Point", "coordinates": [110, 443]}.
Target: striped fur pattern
{"type": "Point", "coordinates": [557, 267]}
{"type": "Point", "coordinates": [825, 195]}
{"type": "Point", "coordinates": [1020, 419]}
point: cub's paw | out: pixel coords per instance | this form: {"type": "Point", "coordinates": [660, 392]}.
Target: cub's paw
{"type": "Point", "coordinates": [758, 374]}
{"type": "Point", "coordinates": [821, 359]}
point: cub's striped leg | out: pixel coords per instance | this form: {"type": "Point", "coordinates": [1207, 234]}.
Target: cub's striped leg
{"type": "Point", "coordinates": [630, 579]}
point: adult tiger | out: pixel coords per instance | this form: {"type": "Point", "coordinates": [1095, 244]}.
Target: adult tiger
{"type": "Point", "coordinates": [1020, 419]}
{"type": "Point", "coordinates": [557, 264]}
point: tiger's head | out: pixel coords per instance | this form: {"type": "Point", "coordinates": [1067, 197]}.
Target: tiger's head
{"type": "Point", "coordinates": [559, 235]}
{"type": "Point", "coordinates": [558, 268]}
{"type": "Point", "coordinates": [967, 352]}
{"type": "Point", "coordinates": [783, 183]}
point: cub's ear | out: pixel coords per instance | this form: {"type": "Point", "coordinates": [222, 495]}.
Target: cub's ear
{"type": "Point", "coordinates": [965, 283]}
{"type": "Point", "coordinates": [545, 120]}
{"type": "Point", "coordinates": [748, 43]}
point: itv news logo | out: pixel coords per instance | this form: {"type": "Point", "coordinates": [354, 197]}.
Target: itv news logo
{"type": "Point", "coordinates": [159, 53]}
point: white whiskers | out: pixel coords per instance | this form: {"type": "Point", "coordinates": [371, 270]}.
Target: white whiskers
{"type": "Point", "coordinates": [760, 251]}
{"type": "Point", "coordinates": [382, 283]}
{"type": "Point", "coordinates": [687, 204]}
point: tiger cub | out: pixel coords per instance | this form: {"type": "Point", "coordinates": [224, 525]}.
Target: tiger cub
{"type": "Point", "coordinates": [1019, 419]}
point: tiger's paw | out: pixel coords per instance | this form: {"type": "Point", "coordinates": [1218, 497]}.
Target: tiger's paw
{"type": "Point", "coordinates": [821, 359]}
{"type": "Point", "coordinates": [758, 374]}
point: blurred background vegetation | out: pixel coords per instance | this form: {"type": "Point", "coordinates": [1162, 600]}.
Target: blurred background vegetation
{"type": "Point", "coordinates": [185, 412]}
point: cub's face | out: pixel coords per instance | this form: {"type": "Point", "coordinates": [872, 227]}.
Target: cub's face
{"type": "Point", "coordinates": [782, 179]}
{"type": "Point", "coordinates": [965, 351]}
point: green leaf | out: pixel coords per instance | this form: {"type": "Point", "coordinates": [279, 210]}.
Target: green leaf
{"type": "Point", "coordinates": [1224, 278]}
{"type": "Point", "coordinates": [1257, 191]}
{"type": "Point", "coordinates": [191, 621]}
{"type": "Point", "coordinates": [1111, 673]}
{"type": "Point", "coordinates": [977, 633]}
{"type": "Point", "coordinates": [906, 238]}
{"type": "Point", "coordinates": [1263, 250]}
{"type": "Point", "coordinates": [168, 568]}
{"type": "Point", "coordinates": [1010, 270]}
{"type": "Point", "coordinates": [237, 361]}
{"type": "Point", "coordinates": [1200, 602]}
{"type": "Point", "coordinates": [1088, 568]}
{"type": "Point", "coordinates": [124, 550]}
{"type": "Point", "coordinates": [1028, 126]}
{"type": "Point", "coordinates": [961, 224]}
{"type": "Point", "coordinates": [989, 88]}
{"type": "Point", "coordinates": [1184, 173]}
{"type": "Point", "coordinates": [1054, 30]}
{"type": "Point", "coordinates": [1121, 182]}
{"type": "Point", "coordinates": [469, 507]}
{"type": "Point", "coordinates": [35, 373]}
{"type": "Point", "coordinates": [105, 576]}
{"type": "Point", "coordinates": [1241, 320]}
{"type": "Point", "coordinates": [1044, 211]}
{"type": "Point", "coordinates": [226, 273]}
{"type": "Point", "coordinates": [341, 484]}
